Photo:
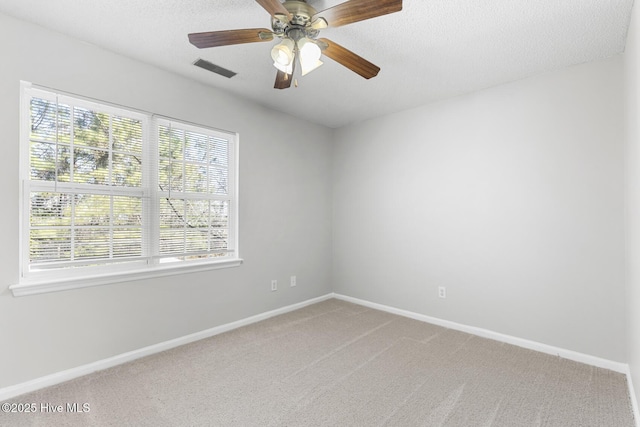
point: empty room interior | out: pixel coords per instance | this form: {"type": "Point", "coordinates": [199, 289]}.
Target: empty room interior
{"type": "Point", "coordinates": [436, 222]}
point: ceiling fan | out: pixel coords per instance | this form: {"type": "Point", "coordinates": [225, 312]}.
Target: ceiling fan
{"type": "Point", "coordinates": [298, 25]}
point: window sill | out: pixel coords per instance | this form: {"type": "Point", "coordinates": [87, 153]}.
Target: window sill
{"type": "Point", "coordinates": [40, 286]}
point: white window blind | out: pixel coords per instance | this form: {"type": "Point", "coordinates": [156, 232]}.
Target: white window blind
{"type": "Point", "coordinates": [194, 183]}
{"type": "Point", "coordinates": [108, 187]}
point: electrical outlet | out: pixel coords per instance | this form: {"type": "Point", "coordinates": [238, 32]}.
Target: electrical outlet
{"type": "Point", "coordinates": [442, 292]}
{"type": "Point", "coordinates": [293, 281]}
{"type": "Point", "coordinates": [274, 285]}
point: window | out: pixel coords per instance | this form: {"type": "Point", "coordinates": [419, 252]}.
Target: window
{"type": "Point", "coordinates": [193, 193]}
{"type": "Point", "coordinates": [110, 194]}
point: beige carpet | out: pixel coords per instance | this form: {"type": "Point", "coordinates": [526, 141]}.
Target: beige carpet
{"type": "Point", "coordinates": [339, 364]}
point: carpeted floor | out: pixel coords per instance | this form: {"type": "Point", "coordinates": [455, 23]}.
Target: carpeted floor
{"type": "Point", "coordinates": [340, 364]}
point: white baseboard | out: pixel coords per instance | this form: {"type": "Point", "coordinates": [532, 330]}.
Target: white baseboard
{"type": "Point", "coordinates": [622, 368]}
{"type": "Point", "coordinates": [69, 374]}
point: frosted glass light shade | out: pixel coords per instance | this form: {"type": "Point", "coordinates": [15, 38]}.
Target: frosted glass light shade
{"type": "Point", "coordinates": [309, 55]}
{"type": "Point", "coordinates": [309, 51]}
{"type": "Point", "coordinates": [282, 53]}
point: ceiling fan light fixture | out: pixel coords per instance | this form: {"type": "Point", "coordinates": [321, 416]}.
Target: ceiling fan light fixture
{"type": "Point", "coordinates": [309, 54]}
{"type": "Point", "coordinates": [282, 53]}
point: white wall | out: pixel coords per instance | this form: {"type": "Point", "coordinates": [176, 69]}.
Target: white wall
{"type": "Point", "coordinates": [632, 155]}
{"type": "Point", "coordinates": [511, 197]}
{"type": "Point", "coordinates": [283, 230]}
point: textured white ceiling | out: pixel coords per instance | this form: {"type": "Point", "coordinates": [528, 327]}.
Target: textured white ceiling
{"type": "Point", "coordinates": [431, 50]}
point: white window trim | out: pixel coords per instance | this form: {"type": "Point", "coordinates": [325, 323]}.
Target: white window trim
{"type": "Point", "coordinates": [30, 284]}
{"type": "Point", "coordinates": [34, 287]}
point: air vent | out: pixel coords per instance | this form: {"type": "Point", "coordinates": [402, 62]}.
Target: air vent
{"type": "Point", "coordinates": [214, 68]}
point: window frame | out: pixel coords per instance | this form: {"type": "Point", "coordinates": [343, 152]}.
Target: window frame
{"type": "Point", "coordinates": [148, 265]}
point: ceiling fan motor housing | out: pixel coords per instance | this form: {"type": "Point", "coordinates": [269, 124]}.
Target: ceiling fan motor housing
{"type": "Point", "coordinates": [299, 25]}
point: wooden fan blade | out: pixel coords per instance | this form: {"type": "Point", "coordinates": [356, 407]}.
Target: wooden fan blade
{"type": "Point", "coordinates": [357, 10]}
{"type": "Point", "coordinates": [349, 59]}
{"type": "Point", "coordinates": [274, 7]}
{"type": "Point", "coordinates": [283, 80]}
{"type": "Point", "coordinates": [229, 37]}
